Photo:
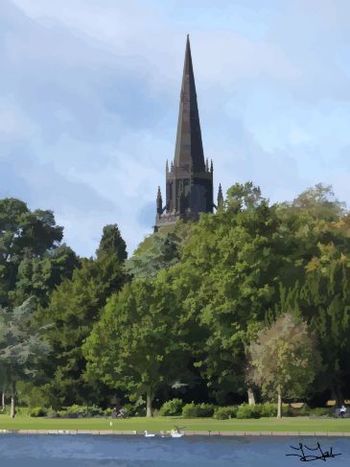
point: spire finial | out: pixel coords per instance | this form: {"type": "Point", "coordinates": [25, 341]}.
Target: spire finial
{"type": "Point", "coordinates": [220, 197]}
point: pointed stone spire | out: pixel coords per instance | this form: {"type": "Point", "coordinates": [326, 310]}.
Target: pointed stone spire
{"type": "Point", "coordinates": [220, 197]}
{"type": "Point", "coordinates": [189, 149]}
{"type": "Point", "coordinates": [167, 166]}
{"type": "Point", "coordinates": [159, 202]}
{"type": "Point", "coordinates": [211, 166]}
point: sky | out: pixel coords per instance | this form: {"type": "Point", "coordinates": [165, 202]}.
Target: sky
{"type": "Point", "coordinates": [89, 95]}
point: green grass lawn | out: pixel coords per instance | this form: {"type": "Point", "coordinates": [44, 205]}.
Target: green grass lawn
{"type": "Point", "coordinates": [295, 424]}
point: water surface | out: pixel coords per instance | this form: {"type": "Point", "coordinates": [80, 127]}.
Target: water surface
{"type": "Point", "coordinates": [136, 451]}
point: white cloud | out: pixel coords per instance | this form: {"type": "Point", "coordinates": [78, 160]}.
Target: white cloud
{"type": "Point", "coordinates": [91, 88]}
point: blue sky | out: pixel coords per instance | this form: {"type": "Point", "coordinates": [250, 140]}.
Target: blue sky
{"type": "Point", "coordinates": [89, 95]}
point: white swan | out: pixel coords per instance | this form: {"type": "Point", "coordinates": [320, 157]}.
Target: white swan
{"type": "Point", "coordinates": [176, 434]}
{"type": "Point", "coordinates": [149, 435]}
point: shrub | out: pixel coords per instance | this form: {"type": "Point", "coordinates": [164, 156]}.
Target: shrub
{"type": "Point", "coordinates": [74, 411]}
{"type": "Point", "coordinates": [38, 412]}
{"type": "Point", "coordinates": [193, 410]}
{"type": "Point", "coordinates": [94, 411]}
{"type": "Point", "coordinates": [296, 412]}
{"type": "Point", "coordinates": [23, 411]}
{"type": "Point", "coordinates": [322, 411]}
{"type": "Point", "coordinates": [6, 411]}
{"type": "Point", "coordinates": [172, 407]}
{"type": "Point", "coordinates": [51, 413]}
{"type": "Point", "coordinates": [223, 413]}
{"type": "Point", "coordinates": [268, 409]}
{"type": "Point", "coordinates": [135, 410]}
{"type": "Point", "coordinates": [32, 396]}
{"type": "Point", "coordinates": [140, 411]}
{"type": "Point", "coordinates": [305, 410]}
{"type": "Point", "coordinates": [78, 411]}
{"type": "Point", "coordinates": [248, 411]}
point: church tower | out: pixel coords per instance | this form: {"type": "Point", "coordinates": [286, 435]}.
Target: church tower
{"type": "Point", "coordinates": [189, 180]}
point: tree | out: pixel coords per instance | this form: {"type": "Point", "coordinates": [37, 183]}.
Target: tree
{"type": "Point", "coordinates": [243, 196]}
{"type": "Point", "coordinates": [22, 347]}
{"type": "Point", "coordinates": [226, 279]}
{"type": "Point", "coordinates": [320, 202]}
{"type": "Point", "coordinates": [324, 301]}
{"type": "Point", "coordinates": [136, 345]}
{"type": "Point", "coordinates": [161, 252]}
{"type": "Point", "coordinates": [232, 271]}
{"type": "Point", "coordinates": [24, 235]}
{"type": "Point", "coordinates": [38, 276]}
{"type": "Point", "coordinates": [283, 359]}
{"type": "Point", "coordinates": [75, 305]}
{"type": "Point", "coordinates": [112, 244]}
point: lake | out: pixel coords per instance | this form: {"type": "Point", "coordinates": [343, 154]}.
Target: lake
{"type": "Point", "coordinates": [137, 451]}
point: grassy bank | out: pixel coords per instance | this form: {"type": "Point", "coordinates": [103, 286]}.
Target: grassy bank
{"type": "Point", "coordinates": [295, 424]}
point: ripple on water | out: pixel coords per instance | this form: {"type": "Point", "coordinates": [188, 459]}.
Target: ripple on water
{"type": "Point", "coordinates": [134, 451]}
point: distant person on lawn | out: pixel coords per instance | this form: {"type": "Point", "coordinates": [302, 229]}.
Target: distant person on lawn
{"type": "Point", "coordinates": [342, 411]}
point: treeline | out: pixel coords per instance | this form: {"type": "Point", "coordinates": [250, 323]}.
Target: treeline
{"type": "Point", "coordinates": [252, 301]}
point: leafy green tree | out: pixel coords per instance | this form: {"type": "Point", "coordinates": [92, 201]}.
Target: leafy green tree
{"type": "Point", "coordinates": [38, 276]}
{"type": "Point", "coordinates": [243, 196]}
{"type": "Point", "coordinates": [136, 345]}
{"type": "Point", "coordinates": [74, 307]}
{"type": "Point", "coordinates": [22, 347]}
{"type": "Point", "coordinates": [324, 301]}
{"type": "Point", "coordinates": [320, 202]}
{"type": "Point", "coordinates": [24, 235]}
{"type": "Point", "coordinates": [227, 280]}
{"type": "Point", "coordinates": [284, 359]}
{"type": "Point", "coordinates": [233, 269]}
{"type": "Point", "coordinates": [162, 251]}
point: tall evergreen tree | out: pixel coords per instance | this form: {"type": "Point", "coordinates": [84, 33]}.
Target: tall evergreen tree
{"type": "Point", "coordinates": [74, 307]}
{"type": "Point", "coordinates": [111, 244]}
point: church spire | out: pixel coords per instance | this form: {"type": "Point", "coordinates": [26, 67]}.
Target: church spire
{"type": "Point", "coordinates": [189, 148]}
{"type": "Point", "coordinates": [189, 180]}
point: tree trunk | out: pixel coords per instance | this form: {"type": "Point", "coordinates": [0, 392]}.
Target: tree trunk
{"type": "Point", "coordinates": [149, 400]}
{"type": "Point", "coordinates": [3, 402]}
{"type": "Point", "coordinates": [13, 400]}
{"type": "Point", "coordinates": [251, 396]}
{"type": "Point", "coordinates": [279, 403]}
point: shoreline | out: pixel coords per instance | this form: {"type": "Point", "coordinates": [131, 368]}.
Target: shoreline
{"type": "Point", "coordinates": [186, 433]}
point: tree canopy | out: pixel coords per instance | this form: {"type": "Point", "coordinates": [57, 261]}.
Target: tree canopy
{"type": "Point", "coordinates": [189, 304]}
{"type": "Point", "coordinates": [22, 347]}
{"type": "Point", "coordinates": [283, 360]}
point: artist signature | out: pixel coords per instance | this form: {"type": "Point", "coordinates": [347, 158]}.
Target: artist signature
{"type": "Point", "coordinates": [318, 453]}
